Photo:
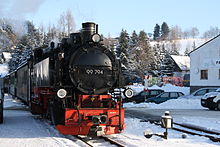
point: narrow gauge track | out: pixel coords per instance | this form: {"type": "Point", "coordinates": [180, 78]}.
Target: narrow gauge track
{"type": "Point", "coordinates": [185, 128]}
{"type": "Point", "coordinates": [192, 130]}
{"type": "Point", "coordinates": [99, 141]}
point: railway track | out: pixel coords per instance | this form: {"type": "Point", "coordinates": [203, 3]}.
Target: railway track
{"type": "Point", "coordinates": [99, 141]}
{"type": "Point", "coordinates": [199, 131]}
{"type": "Point", "coordinates": [213, 135]}
{"type": "Point", "coordinates": [192, 130]}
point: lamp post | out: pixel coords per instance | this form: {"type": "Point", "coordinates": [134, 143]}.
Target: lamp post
{"type": "Point", "coordinates": [166, 122]}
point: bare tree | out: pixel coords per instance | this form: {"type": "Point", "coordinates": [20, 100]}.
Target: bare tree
{"type": "Point", "coordinates": [186, 34]}
{"type": "Point", "coordinates": [194, 32]}
{"type": "Point", "coordinates": [62, 25]}
{"type": "Point", "coordinates": [175, 33]}
{"type": "Point", "coordinates": [212, 32]}
{"type": "Point", "coordinates": [70, 22]}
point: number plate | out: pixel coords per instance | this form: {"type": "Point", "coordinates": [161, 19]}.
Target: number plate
{"type": "Point", "coordinates": [94, 71]}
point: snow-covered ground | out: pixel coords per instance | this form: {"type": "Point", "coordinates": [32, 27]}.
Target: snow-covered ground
{"type": "Point", "coordinates": [134, 135]}
{"type": "Point", "coordinates": [175, 138]}
{"type": "Point", "coordinates": [182, 44]}
{"type": "Point", "coordinates": [21, 129]}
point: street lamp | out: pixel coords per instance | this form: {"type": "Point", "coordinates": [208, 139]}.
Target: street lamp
{"type": "Point", "coordinates": [166, 122]}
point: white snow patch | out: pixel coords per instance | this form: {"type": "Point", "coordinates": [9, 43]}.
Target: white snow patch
{"type": "Point", "coordinates": [180, 103]}
{"type": "Point", "coordinates": [134, 135]}
{"type": "Point", "coordinates": [182, 61]}
{"type": "Point", "coordinates": [21, 129]}
{"type": "Point", "coordinates": [3, 69]}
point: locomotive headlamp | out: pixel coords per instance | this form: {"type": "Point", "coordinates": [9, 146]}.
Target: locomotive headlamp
{"type": "Point", "coordinates": [61, 93]}
{"type": "Point", "coordinates": [103, 119]}
{"type": "Point", "coordinates": [96, 38]}
{"type": "Point", "coordinates": [128, 93]}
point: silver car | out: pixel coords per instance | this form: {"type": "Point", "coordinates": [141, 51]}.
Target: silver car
{"type": "Point", "coordinates": [200, 93]}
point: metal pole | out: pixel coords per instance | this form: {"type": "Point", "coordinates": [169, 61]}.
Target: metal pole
{"type": "Point", "coordinates": [166, 134]}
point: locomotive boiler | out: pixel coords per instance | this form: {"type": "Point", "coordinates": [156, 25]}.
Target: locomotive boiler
{"type": "Point", "coordinates": [73, 83]}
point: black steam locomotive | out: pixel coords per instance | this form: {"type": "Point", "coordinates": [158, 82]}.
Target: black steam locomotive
{"type": "Point", "coordinates": [73, 84]}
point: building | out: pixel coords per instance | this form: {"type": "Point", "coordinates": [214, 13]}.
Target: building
{"type": "Point", "coordinates": [182, 64]}
{"type": "Point", "coordinates": [205, 65]}
{"type": "Point", "coordinates": [175, 68]}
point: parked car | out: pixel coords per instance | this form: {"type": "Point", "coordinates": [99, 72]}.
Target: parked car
{"type": "Point", "coordinates": [145, 94]}
{"type": "Point", "coordinates": [164, 97]}
{"type": "Point", "coordinates": [200, 92]}
{"type": "Point", "coordinates": [211, 100]}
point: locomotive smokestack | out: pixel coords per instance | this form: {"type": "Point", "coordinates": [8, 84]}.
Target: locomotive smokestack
{"type": "Point", "coordinates": [88, 29]}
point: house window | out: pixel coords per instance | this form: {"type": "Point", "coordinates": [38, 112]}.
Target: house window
{"type": "Point", "coordinates": [204, 74]}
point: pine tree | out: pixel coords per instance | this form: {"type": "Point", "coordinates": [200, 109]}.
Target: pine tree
{"type": "Point", "coordinates": [164, 30]}
{"type": "Point", "coordinates": [142, 36]}
{"type": "Point", "coordinates": [143, 56]}
{"type": "Point", "coordinates": [156, 34]}
{"type": "Point", "coordinates": [167, 65]}
{"type": "Point", "coordinates": [134, 39]}
{"type": "Point", "coordinates": [122, 50]}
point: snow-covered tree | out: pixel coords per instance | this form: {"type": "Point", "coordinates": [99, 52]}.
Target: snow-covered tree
{"type": "Point", "coordinates": [167, 65]}
{"type": "Point", "coordinates": [142, 56]}
{"type": "Point", "coordinates": [122, 49]}
{"type": "Point", "coordinates": [134, 39]}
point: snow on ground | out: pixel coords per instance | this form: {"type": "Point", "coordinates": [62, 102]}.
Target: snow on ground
{"type": "Point", "coordinates": [180, 103]}
{"type": "Point", "coordinates": [134, 135]}
{"type": "Point", "coordinates": [182, 44]}
{"type": "Point", "coordinates": [136, 128]}
{"type": "Point", "coordinates": [21, 129]}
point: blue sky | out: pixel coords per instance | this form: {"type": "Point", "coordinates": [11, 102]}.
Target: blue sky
{"type": "Point", "coordinates": [113, 15]}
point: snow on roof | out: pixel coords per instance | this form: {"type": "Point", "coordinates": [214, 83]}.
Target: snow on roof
{"type": "Point", "coordinates": [182, 61]}
{"type": "Point", "coordinates": [3, 70]}
{"type": "Point", "coordinates": [6, 55]}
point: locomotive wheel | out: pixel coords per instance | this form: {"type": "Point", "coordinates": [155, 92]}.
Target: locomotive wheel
{"type": "Point", "coordinates": [211, 108]}
{"type": "Point", "coordinates": [218, 105]}
{"type": "Point", "coordinates": [51, 114]}
{"type": "Point", "coordinates": [56, 113]}
{"type": "Point", "coordinates": [1, 112]}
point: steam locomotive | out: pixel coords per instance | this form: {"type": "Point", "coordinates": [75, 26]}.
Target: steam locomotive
{"type": "Point", "coordinates": [73, 84]}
